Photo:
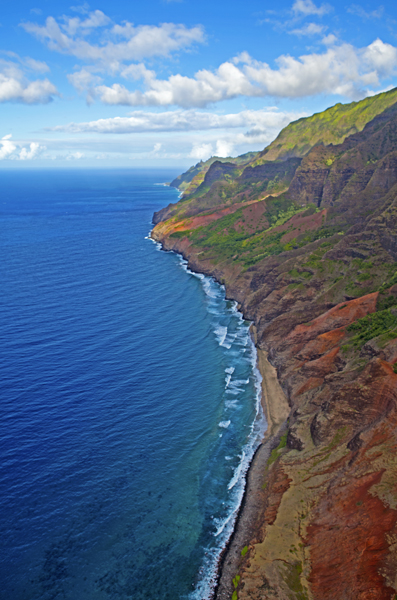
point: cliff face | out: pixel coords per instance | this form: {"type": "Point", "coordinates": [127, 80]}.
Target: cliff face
{"type": "Point", "coordinates": [314, 266]}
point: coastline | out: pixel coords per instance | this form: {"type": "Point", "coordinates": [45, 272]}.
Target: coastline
{"type": "Point", "coordinates": [250, 512]}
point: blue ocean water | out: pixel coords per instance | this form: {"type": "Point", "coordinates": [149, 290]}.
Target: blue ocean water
{"type": "Point", "coordinates": [129, 396]}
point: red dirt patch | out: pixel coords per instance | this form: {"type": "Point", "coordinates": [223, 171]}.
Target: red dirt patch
{"type": "Point", "coordinates": [339, 316]}
{"type": "Point", "coordinates": [200, 220]}
{"type": "Point", "coordinates": [348, 541]}
{"type": "Point", "coordinates": [322, 343]}
{"type": "Point", "coordinates": [310, 384]}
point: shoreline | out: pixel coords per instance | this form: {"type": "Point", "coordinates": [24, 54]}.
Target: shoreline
{"type": "Point", "coordinates": [276, 410]}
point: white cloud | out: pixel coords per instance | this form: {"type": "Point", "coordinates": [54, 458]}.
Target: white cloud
{"type": "Point", "coordinates": [120, 43]}
{"type": "Point", "coordinates": [10, 149]}
{"type": "Point", "coordinates": [94, 20]}
{"type": "Point", "coordinates": [34, 150]}
{"type": "Point", "coordinates": [184, 120]}
{"type": "Point", "coordinates": [29, 63]}
{"type": "Point", "coordinates": [157, 151]}
{"type": "Point", "coordinates": [329, 39]}
{"type": "Point", "coordinates": [341, 69]}
{"type": "Point", "coordinates": [7, 147]}
{"type": "Point", "coordinates": [309, 29]}
{"type": "Point", "coordinates": [137, 71]}
{"type": "Point", "coordinates": [84, 81]}
{"type": "Point", "coordinates": [201, 152]}
{"type": "Point", "coordinates": [74, 156]}
{"type": "Point", "coordinates": [381, 57]}
{"type": "Point", "coordinates": [229, 81]}
{"type": "Point", "coordinates": [224, 148]}
{"type": "Point", "coordinates": [36, 65]}
{"type": "Point", "coordinates": [307, 7]}
{"type": "Point", "coordinates": [27, 92]}
{"type": "Point", "coordinates": [15, 87]}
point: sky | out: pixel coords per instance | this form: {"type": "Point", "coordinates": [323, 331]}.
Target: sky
{"type": "Point", "coordinates": [164, 83]}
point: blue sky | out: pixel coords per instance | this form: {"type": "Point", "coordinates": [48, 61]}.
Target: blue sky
{"type": "Point", "coordinates": [167, 83]}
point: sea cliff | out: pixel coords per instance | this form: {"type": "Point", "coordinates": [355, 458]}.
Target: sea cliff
{"type": "Point", "coordinates": [304, 237]}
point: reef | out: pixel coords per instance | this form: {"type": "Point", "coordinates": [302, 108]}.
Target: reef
{"type": "Point", "coordinates": [303, 235]}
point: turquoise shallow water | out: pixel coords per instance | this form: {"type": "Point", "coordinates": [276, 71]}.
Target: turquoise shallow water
{"type": "Point", "coordinates": [129, 406]}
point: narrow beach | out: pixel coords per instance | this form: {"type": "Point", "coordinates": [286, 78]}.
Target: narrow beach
{"type": "Point", "coordinates": [249, 520]}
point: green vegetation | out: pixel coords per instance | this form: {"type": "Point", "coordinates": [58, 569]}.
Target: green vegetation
{"type": "Point", "coordinates": [187, 182]}
{"type": "Point", "coordinates": [276, 451]}
{"type": "Point", "coordinates": [293, 580]}
{"type": "Point", "coordinates": [373, 325]}
{"type": "Point", "coordinates": [386, 301]}
{"type": "Point", "coordinates": [332, 126]}
{"type": "Point", "coordinates": [336, 439]}
{"type": "Point", "coordinates": [179, 234]}
{"type": "Point", "coordinates": [231, 237]}
{"type": "Point", "coordinates": [319, 234]}
{"type": "Point", "coordinates": [381, 324]}
{"type": "Point", "coordinates": [236, 580]}
{"type": "Point", "coordinates": [244, 551]}
{"type": "Point", "coordinates": [254, 175]}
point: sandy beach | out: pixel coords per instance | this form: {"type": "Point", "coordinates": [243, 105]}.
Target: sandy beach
{"type": "Point", "coordinates": [250, 517]}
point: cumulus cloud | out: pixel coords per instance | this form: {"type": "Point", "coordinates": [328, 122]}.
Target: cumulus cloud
{"type": "Point", "coordinates": [120, 43]}
{"type": "Point", "coordinates": [228, 81]}
{"type": "Point", "coordinates": [34, 150]}
{"type": "Point", "coordinates": [341, 69]}
{"type": "Point", "coordinates": [16, 87]}
{"type": "Point", "coordinates": [307, 7]}
{"type": "Point", "coordinates": [309, 29]}
{"type": "Point", "coordinates": [27, 92]}
{"type": "Point", "coordinates": [95, 19]}
{"type": "Point", "coordinates": [201, 151]}
{"type": "Point", "coordinates": [83, 79]}
{"type": "Point", "coordinates": [329, 40]}
{"type": "Point", "coordinates": [13, 150]}
{"type": "Point", "coordinates": [381, 57]}
{"type": "Point", "coordinates": [184, 120]}
{"type": "Point", "coordinates": [224, 148]}
{"type": "Point", "coordinates": [7, 147]}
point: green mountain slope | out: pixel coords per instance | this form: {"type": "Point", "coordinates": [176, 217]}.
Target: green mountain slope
{"type": "Point", "coordinates": [331, 126]}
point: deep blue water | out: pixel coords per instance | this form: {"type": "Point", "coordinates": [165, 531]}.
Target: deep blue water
{"type": "Point", "coordinates": [128, 396]}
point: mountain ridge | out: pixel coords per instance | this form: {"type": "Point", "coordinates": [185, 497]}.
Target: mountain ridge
{"type": "Point", "coordinates": [308, 247]}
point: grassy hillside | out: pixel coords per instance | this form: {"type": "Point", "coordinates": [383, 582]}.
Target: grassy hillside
{"type": "Point", "coordinates": [188, 182]}
{"type": "Point", "coordinates": [332, 126]}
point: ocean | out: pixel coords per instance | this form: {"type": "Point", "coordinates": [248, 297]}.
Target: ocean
{"type": "Point", "coordinates": [129, 396]}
